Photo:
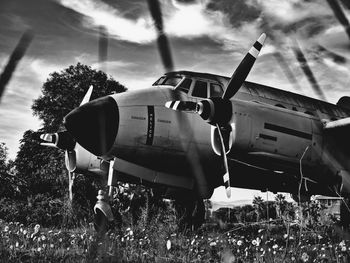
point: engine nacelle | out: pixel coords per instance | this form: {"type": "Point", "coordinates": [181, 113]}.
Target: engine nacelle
{"type": "Point", "coordinates": [81, 161]}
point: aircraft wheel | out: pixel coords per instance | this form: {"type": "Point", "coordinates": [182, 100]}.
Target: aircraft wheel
{"type": "Point", "coordinates": [100, 222]}
{"type": "Point", "coordinates": [345, 213]}
{"type": "Point", "coordinates": [190, 214]}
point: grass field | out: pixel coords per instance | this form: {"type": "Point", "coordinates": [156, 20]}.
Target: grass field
{"type": "Point", "coordinates": [162, 242]}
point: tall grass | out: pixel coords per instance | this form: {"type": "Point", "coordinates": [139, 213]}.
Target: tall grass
{"type": "Point", "coordinates": [155, 237]}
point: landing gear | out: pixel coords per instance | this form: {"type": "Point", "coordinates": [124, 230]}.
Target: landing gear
{"type": "Point", "coordinates": [190, 214]}
{"type": "Point", "coordinates": [103, 213]}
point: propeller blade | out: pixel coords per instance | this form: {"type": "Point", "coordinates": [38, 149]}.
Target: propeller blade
{"type": "Point", "coordinates": [70, 160]}
{"type": "Point", "coordinates": [71, 177]}
{"type": "Point", "coordinates": [102, 46]}
{"type": "Point", "coordinates": [188, 106]}
{"type": "Point", "coordinates": [339, 14]}
{"type": "Point", "coordinates": [49, 138]}
{"type": "Point", "coordinates": [162, 39]}
{"type": "Point", "coordinates": [243, 69]}
{"type": "Point", "coordinates": [87, 96]}
{"type": "Point", "coordinates": [226, 176]}
{"type": "Point", "coordinates": [110, 179]}
{"type": "Point", "coordinates": [14, 59]}
{"type": "Point", "coordinates": [307, 71]}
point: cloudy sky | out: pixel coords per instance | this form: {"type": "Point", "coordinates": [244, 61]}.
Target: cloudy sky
{"type": "Point", "coordinates": [205, 35]}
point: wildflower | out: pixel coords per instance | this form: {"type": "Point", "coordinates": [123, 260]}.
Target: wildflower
{"type": "Point", "coordinates": [275, 246]}
{"type": "Point", "coordinates": [51, 246]}
{"type": "Point", "coordinates": [212, 244]}
{"type": "Point", "coordinates": [258, 241]}
{"type": "Point", "coordinates": [25, 232]}
{"type": "Point", "coordinates": [72, 242]}
{"type": "Point", "coordinates": [6, 229]}
{"type": "Point", "coordinates": [17, 244]}
{"type": "Point", "coordinates": [192, 242]}
{"type": "Point", "coordinates": [285, 236]}
{"type": "Point", "coordinates": [39, 249]}
{"type": "Point", "coordinates": [239, 243]}
{"type": "Point", "coordinates": [168, 244]}
{"type": "Point", "coordinates": [36, 228]}
{"type": "Point", "coordinates": [11, 247]}
{"type": "Point", "coordinates": [305, 257]}
{"type": "Point", "coordinates": [343, 249]}
{"type": "Point", "coordinates": [60, 240]}
{"type": "Point", "coordinates": [44, 245]}
{"type": "Point", "coordinates": [254, 242]}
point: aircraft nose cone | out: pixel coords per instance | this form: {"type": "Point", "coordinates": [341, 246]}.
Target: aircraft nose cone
{"type": "Point", "coordinates": [94, 125]}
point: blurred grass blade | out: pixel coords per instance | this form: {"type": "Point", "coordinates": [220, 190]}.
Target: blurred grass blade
{"type": "Point", "coordinates": [339, 14]}
{"type": "Point", "coordinates": [162, 39]}
{"type": "Point", "coordinates": [15, 57]}
{"type": "Point", "coordinates": [307, 71]}
{"type": "Point", "coordinates": [102, 46]}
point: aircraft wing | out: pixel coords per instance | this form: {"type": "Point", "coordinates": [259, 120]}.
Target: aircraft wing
{"type": "Point", "coordinates": [338, 132]}
{"type": "Point", "coordinates": [338, 125]}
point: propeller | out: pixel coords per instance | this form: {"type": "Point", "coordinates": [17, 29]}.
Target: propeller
{"type": "Point", "coordinates": [218, 111]}
{"type": "Point", "coordinates": [14, 59]}
{"type": "Point", "coordinates": [65, 141]}
{"type": "Point", "coordinates": [162, 39]}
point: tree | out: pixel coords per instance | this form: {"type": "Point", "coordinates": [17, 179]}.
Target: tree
{"type": "Point", "coordinates": [5, 179]}
{"type": "Point", "coordinates": [42, 167]}
{"type": "Point", "coordinates": [258, 204]}
{"type": "Point", "coordinates": [63, 91]}
{"type": "Point", "coordinates": [280, 204]}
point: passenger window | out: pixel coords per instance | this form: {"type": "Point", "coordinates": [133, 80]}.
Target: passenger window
{"type": "Point", "coordinates": [200, 89]}
{"type": "Point", "coordinates": [215, 90]}
{"type": "Point", "coordinates": [309, 113]}
{"type": "Point", "coordinates": [185, 85]}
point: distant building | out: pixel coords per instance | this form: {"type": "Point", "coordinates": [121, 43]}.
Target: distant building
{"type": "Point", "coordinates": [331, 205]}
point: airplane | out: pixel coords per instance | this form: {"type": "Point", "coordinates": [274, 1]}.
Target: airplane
{"type": "Point", "coordinates": [191, 132]}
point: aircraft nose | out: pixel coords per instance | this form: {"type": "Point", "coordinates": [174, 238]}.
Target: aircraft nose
{"type": "Point", "coordinates": [94, 125]}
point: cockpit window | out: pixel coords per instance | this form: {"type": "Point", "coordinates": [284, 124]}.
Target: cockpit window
{"type": "Point", "coordinates": [171, 81]}
{"type": "Point", "coordinates": [159, 81]}
{"type": "Point", "coordinates": [215, 90]}
{"type": "Point", "coordinates": [200, 89]}
{"type": "Point", "coordinates": [185, 85]}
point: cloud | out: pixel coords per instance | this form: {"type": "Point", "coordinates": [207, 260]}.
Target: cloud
{"type": "Point", "coordinates": [190, 20]}
{"type": "Point", "coordinates": [102, 14]}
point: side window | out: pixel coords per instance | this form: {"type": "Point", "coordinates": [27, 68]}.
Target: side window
{"type": "Point", "coordinates": [215, 90]}
{"type": "Point", "coordinates": [185, 85]}
{"type": "Point", "coordinates": [200, 89]}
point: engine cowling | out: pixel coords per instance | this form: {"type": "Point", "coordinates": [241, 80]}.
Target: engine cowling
{"type": "Point", "coordinates": [81, 161]}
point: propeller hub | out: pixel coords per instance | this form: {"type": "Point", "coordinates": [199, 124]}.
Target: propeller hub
{"type": "Point", "coordinates": [94, 125]}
